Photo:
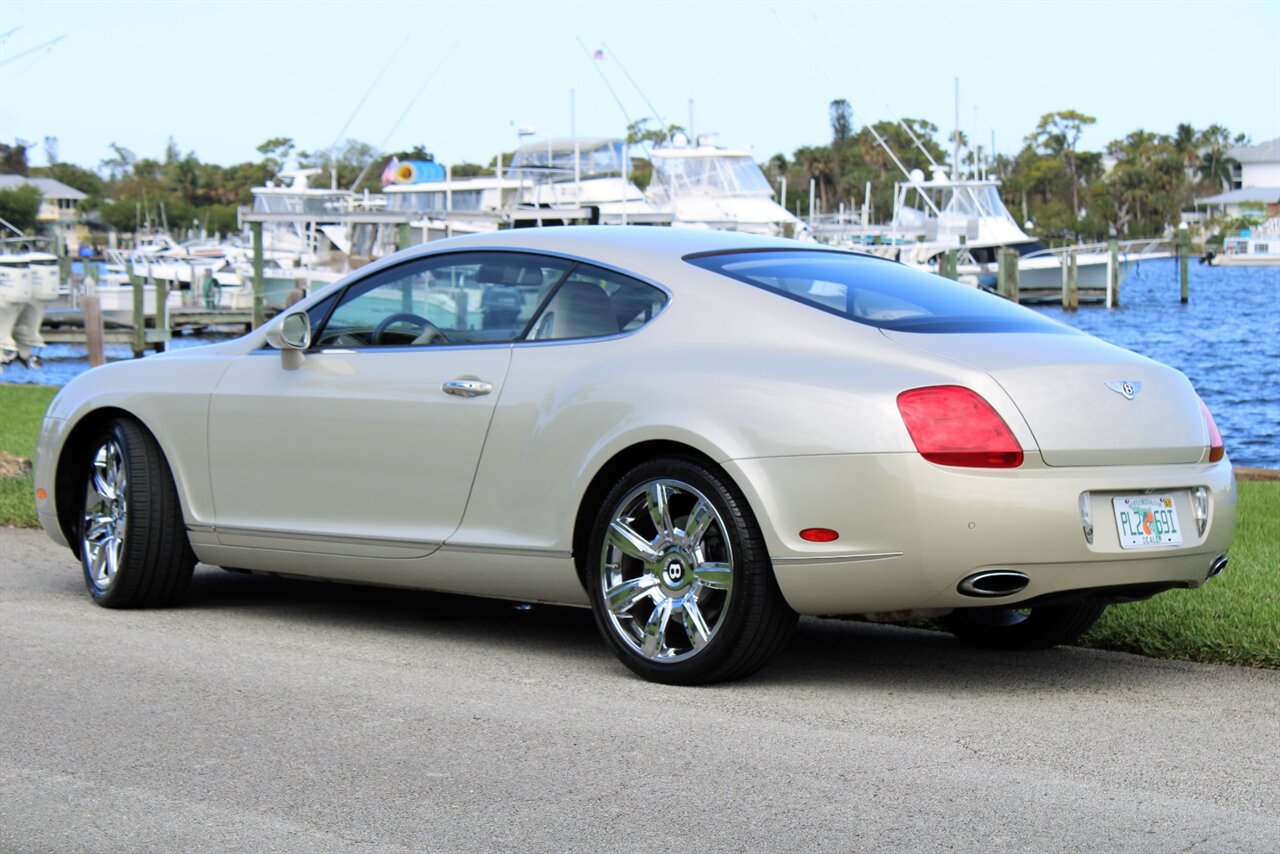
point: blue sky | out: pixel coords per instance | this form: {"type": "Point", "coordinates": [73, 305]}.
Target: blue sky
{"type": "Point", "coordinates": [221, 77]}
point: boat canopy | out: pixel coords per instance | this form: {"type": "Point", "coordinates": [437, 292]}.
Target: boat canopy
{"type": "Point", "coordinates": [436, 200]}
{"type": "Point", "coordinates": [313, 202]}
{"type": "Point", "coordinates": [721, 173]}
{"type": "Point", "coordinates": [596, 158]}
{"type": "Point", "coordinates": [972, 199]}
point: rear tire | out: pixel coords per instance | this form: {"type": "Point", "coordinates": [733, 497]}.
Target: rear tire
{"type": "Point", "coordinates": [680, 581]}
{"type": "Point", "coordinates": [1023, 628]}
{"type": "Point", "coordinates": [133, 541]}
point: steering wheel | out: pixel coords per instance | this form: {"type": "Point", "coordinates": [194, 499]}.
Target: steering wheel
{"type": "Point", "coordinates": [429, 335]}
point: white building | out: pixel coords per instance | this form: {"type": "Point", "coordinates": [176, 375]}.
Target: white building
{"type": "Point", "coordinates": [57, 200]}
{"type": "Point", "coordinates": [1255, 180]}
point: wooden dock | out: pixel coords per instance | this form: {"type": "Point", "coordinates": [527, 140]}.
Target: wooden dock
{"type": "Point", "coordinates": [67, 325]}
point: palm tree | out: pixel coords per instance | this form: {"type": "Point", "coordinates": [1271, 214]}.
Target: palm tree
{"type": "Point", "coordinates": [1215, 166]}
{"type": "Point", "coordinates": [818, 163]}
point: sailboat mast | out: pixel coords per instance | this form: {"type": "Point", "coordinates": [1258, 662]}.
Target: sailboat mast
{"type": "Point", "coordinates": [955, 138]}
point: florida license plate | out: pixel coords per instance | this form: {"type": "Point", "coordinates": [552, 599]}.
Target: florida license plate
{"type": "Point", "coordinates": [1146, 521]}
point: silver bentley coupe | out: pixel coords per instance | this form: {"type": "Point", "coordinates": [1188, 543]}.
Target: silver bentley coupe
{"type": "Point", "coordinates": [697, 435]}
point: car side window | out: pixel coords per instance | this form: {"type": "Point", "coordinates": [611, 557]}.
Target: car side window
{"type": "Point", "coordinates": [595, 303]}
{"type": "Point", "coordinates": [459, 298]}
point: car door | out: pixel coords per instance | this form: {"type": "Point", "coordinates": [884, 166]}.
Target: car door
{"type": "Point", "coordinates": [372, 439]}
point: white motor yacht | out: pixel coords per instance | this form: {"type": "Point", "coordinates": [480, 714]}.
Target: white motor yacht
{"type": "Point", "coordinates": [549, 182]}
{"type": "Point", "coordinates": [1260, 247]}
{"type": "Point", "coordinates": [932, 215]}
{"type": "Point", "coordinates": [705, 186]}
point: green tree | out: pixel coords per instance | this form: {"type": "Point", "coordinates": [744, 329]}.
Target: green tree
{"type": "Point", "coordinates": [346, 162]}
{"type": "Point", "coordinates": [1186, 142]}
{"type": "Point", "coordinates": [841, 123]}
{"type": "Point", "coordinates": [819, 164]}
{"type": "Point", "coordinates": [20, 207]}
{"type": "Point", "coordinates": [13, 158]}
{"type": "Point", "coordinates": [418, 152]}
{"type": "Point", "coordinates": [1148, 185]}
{"type": "Point", "coordinates": [1058, 134]}
{"type": "Point", "coordinates": [472, 170]}
{"type": "Point", "coordinates": [275, 152]}
{"type": "Point", "coordinates": [639, 133]}
{"type": "Point", "coordinates": [119, 164]}
{"type": "Point", "coordinates": [1215, 165]}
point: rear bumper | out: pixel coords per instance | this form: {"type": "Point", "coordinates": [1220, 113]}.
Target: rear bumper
{"type": "Point", "coordinates": [911, 531]}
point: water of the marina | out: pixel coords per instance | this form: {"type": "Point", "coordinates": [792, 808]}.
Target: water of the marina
{"type": "Point", "coordinates": [1227, 340]}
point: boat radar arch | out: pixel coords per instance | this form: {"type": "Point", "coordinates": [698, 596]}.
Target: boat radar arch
{"type": "Point", "coordinates": [298, 178]}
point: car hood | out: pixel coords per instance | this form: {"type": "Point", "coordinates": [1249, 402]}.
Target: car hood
{"type": "Point", "coordinates": [1086, 402]}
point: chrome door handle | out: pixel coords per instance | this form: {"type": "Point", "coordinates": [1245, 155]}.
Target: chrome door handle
{"type": "Point", "coordinates": [467, 388]}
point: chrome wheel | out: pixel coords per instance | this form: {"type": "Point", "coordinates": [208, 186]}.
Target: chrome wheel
{"type": "Point", "coordinates": [106, 515]}
{"type": "Point", "coordinates": [666, 570]}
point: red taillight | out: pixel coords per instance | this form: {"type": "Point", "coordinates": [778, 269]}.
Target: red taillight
{"type": "Point", "coordinates": [1216, 449]}
{"type": "Point", "coordinates": [953, 426]}
{"type": "Point", "coordinates": [819, 535]}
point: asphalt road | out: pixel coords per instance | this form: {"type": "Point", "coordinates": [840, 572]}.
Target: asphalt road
{"type": "Point", "coordinates": [275, 715]}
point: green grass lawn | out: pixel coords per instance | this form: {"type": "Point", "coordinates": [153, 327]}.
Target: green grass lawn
{"type": "Point", "coordinates": [21, 411]}
{"type": "Point", "coordinates": [1233, 619]}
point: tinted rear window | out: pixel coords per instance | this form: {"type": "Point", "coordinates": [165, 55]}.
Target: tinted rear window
{"type": "Point", "coordinates": [876, 292]}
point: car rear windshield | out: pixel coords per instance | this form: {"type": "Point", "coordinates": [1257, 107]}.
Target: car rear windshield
{"type": "Point", "coordinates": [876, 292]}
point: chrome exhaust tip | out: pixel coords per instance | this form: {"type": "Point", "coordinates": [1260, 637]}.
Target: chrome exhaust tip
{"type": "Point", "coordinates": [994, 582]}
{"type": "Point", "coordinates": [1219, 564]}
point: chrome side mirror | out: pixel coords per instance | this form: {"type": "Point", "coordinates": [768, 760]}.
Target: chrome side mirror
{"type": "Point", "coordinates": [293, 332]}
{"type": "Point", "coordinates": [291, 336]}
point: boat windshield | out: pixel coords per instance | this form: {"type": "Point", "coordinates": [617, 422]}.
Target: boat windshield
{"type": "Point", "coordinates": [436, 200]}
{"type": "Point", "coordinates": [971, 201]}
{"type": "Point", "coordinates": [731, 174]}
{"type": "Point", "coordinates": [595, 159]}
{"type": "Point", "coordinates": [876, 292]}
{"type": "Point", "coordinates": [296, 203]}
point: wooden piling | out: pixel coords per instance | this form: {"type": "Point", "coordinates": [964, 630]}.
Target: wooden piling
{"type": "Point", "coordinates": [1065, 257]}
{"type": "Point", "coordinates": [1113, 273]}
{"type": "Point", "coordinates": [93, 337]}
{"type": "Point", "coordinates": [160, 334]}
{"type": "Point", "coordinates": [139, 340]}
{"type": "Point", "coordinates": [1184, 249]}
{"type": "Point", "coordinates": [60, 250]}
{"type": "Point", "coordinates": [1007, 274]}
{"type": "Point", "coordinates": [259, 286]}
{"type": "Point", "coordinates": [201, 290]}
{"type": "Point", "coordinates": [947, 265]}
{"type": "Point", "coordinates": [1070, 281]}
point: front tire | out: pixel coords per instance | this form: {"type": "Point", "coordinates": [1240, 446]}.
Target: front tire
{"type": "Point", "coordinates": [1023, 628]}
{"type": "Point", "coordinates": [133, 541]}
{"type": "Point", "coordinates": [679, 578]}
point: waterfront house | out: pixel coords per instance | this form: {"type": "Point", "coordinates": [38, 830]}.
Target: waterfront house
{"type": "Point", "coordinates": [58, 212]}
{"type": "Point", "coordinates": [1255, 182]}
